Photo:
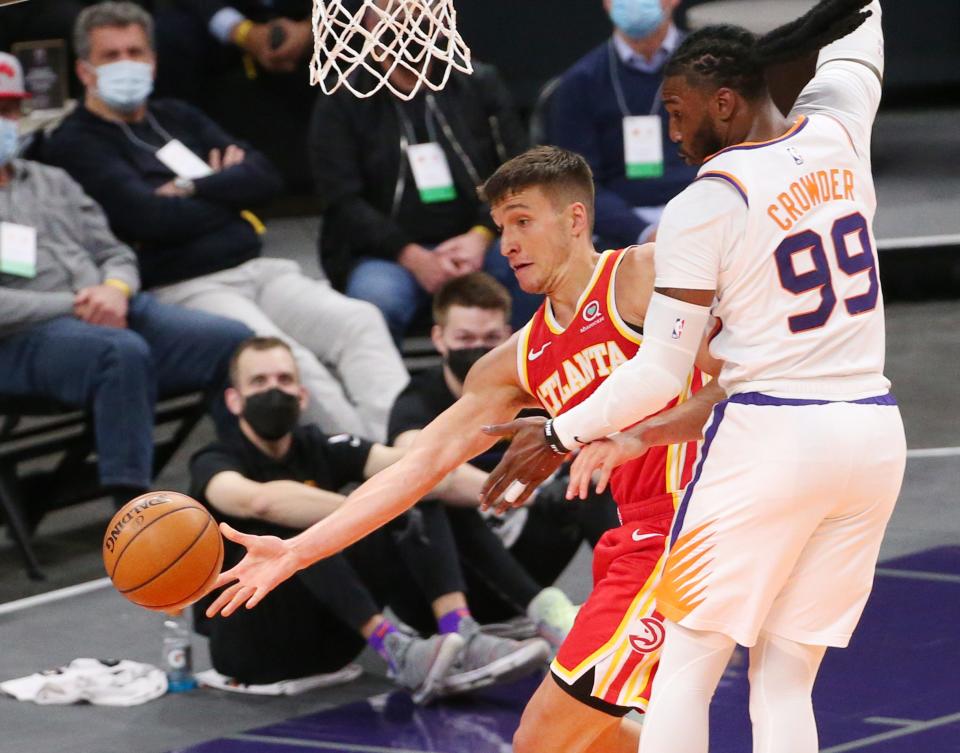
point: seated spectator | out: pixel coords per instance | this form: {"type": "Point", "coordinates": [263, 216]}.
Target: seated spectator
{"type": "Point", "coordinates": [272, 478]}
{"type": "Point", "coordinates": [73, 326]}
{"type": "Point", "coordinates": [389, 235]}
{"type": "Point", "coordinates": [247, 64]}
{"type": "Point", "coordinates": [197, 244]}
{"type": "Point", "coordinates": [608, 108]}
{"type": "Point", "coordinates": [511, 564]}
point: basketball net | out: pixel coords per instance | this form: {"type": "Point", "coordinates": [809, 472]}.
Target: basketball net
{"type": "Point", "coordinates": [413, 41]}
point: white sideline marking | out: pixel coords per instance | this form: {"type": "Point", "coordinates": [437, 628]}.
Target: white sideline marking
{"type": "Point", "coordinates": [889, 572]}
{"type": "Point", "coordinates": [912, 729]}
{"type": "Point", "coordinates": [320, 744]}
{"type": "Point", "coordinates": [920, 241]}
{"type": "Point", "coordinates": [934, 452]}
{"type": "Point", "coordinates": [891, 721]}
{"type": "Point", "coordinates": [51, 596]}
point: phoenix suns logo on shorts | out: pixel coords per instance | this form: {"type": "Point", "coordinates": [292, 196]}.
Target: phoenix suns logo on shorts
{"type": "Point", "coordinates": [652, 637]}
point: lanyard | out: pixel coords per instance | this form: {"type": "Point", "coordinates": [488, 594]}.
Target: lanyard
{"type": "Point", "coordinates": [433, 116]}
{"type": "Point", "coordinates": [618, 85]}
{"type": "Point", "coordinates": [157, 129]}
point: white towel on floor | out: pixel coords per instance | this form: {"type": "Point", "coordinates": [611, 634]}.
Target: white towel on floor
{"type": "Point", "coordinates": [212, 678]}
{"type": "Point", "coordinates": [112, 683]}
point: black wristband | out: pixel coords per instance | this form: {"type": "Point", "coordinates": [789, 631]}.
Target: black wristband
{"type": "Point", "coordinates": [553, 442]}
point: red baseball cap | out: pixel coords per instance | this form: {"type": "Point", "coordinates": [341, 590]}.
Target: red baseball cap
{"type": "Point", "coordinates": [11, 78]}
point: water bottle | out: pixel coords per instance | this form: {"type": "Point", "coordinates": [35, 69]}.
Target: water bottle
{"type": "Point", "coordinates": [177, 654]}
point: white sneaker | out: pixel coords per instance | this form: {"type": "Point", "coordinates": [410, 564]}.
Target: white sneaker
{"type": "Point", "coordinates": [553, 613]}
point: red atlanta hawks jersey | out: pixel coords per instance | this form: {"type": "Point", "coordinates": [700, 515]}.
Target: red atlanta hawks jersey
{"type": "Point", "coordinates": [562, 367]}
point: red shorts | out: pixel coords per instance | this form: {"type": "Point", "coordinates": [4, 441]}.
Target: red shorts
{"type": "Point", "coordinates": [610, 656]}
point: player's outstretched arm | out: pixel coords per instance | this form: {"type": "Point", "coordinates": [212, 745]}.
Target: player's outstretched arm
{"type": "Point", "coordinates": [492, 393]}
{"type": "Point", "coordinates": [682, 423]}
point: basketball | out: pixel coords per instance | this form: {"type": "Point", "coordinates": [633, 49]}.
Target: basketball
{"type": "Point", "coordinates": [162, 550]}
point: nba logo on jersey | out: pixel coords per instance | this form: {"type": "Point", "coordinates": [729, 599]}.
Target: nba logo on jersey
{"type": "Point", "coordinates": [797, 157]}
{"type": "Point", "coordinates": [678, 328]}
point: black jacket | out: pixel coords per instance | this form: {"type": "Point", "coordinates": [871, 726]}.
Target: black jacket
{"type": "Point", "coordinates": [363, 176]}
{"type": "Point", "coordinates": [175, 238]}
{"type": "Point", "coordinates": [260, 11]}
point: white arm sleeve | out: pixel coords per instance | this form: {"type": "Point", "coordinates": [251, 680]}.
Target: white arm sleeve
{"type": "Point", "coordinates": [847, 85]}
{"type": "Point", "coordinates": [672, 331]}
{"type": "Point", "coordinates": [699, 228]}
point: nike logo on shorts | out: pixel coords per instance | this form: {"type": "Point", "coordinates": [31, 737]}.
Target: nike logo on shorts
{"type": "Point", "coordinates": [637, 536]}
{"type": "Point", "coordinates": [533, 355]}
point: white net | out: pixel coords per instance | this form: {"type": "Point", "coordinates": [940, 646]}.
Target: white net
{"type": "Point", "coordinates": [365, 45]}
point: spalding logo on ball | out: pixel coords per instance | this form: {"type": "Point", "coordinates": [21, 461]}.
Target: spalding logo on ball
{"type": "Point", "coordinates": [163, 550]}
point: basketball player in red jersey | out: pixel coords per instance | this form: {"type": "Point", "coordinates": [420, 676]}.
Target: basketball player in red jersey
{"type": "Point", "coordinates": [589, 324]}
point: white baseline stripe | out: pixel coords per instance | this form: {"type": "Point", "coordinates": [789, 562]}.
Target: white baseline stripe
{"type": "Point", "coordinates": [889, 572]}
{"type": "Point", "coordinates": [893, 734]}
{"type": "Point", "coordinates": [51, 596]}
{"type": "Point", "coordinates": [920, 241]}
{"type": "Point", "coordinates": [295, 742]}
{"type": "Point", "coordinates": [934, 452]}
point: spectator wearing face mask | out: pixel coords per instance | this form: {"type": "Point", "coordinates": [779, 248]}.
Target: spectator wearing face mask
{"type": "Point", "coordinates": [608, 108]}
{"type": "Point", "coordinates": [178, 188]}
{"type": "Point", "coordinates": [74, 325]}
{"type": "Point", "coordinates": [273, 477]}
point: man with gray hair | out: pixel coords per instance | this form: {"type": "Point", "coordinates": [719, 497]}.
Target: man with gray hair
{"type": "Point", "coordinates": [74, 326]}
{"type": "Point", "coordinates": [178, 189]}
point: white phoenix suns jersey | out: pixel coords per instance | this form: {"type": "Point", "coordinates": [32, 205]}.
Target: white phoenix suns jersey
{"type": "Point", "coordinates": [782, 230]}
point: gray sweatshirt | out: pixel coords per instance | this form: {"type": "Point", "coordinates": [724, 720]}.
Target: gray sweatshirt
{"type": "Point", "coordinates": [75, 248]}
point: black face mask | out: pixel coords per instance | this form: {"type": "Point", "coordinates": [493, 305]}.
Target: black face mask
{"type": "Point", "coordinates": [461, 360]}
{"type": "Point", "coordinates": [272, 413]}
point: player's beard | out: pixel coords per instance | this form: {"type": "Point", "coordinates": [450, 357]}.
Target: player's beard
{"type": "Point", "coordinates": [706, 141]}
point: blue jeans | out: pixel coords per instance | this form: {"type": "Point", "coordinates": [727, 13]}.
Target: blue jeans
{"type": "Point", "coordinates": [119, 373]}
{"type": "Point", "coordinates": [396, 292]}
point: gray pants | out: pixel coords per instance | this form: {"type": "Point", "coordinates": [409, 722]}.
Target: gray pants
{"type": "Point", "coordinates": [347, 360]}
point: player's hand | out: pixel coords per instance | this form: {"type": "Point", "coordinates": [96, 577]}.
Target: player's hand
{"type": "Point", "coordinates": [467, 251]}
{"type": "Point", "coordinates": [529, 461]}
{"type": "Point", "coordinates": [430, 269]}
{"type": "Point", "coordinates": [103, 305]}
{"type": "Point", "coordinates": [601, 457]}
{"type": "Point", "coordinates": [268, 562]}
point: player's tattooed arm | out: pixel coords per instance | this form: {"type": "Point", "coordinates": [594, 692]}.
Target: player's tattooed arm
{"type": "Point", "coordinates": [682, 423]}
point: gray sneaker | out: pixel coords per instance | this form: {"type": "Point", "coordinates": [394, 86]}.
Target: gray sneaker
{"type": "Point", "coordinates": [486, 659]}
{"type": "Point", "coordinates": [420, 664]}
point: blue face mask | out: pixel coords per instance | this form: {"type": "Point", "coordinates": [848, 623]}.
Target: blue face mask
{"type": "Point", "coordinates": [637, 18]}
{"type": "Point", "coordinates": [124, 85]}
{"type": "Point", "coordinates": [9, 140]}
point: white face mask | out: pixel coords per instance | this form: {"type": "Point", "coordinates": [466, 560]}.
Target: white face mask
{"type": "Point", "coordinates": [125, 84]}
{"type": "Point", "coordinates": [637, 19]}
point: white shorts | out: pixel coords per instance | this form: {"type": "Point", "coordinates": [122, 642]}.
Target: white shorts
{"type": "Point", "coordinates": [780, 529]}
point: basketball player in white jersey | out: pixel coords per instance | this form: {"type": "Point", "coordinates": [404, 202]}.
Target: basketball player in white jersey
{"type": "Point", "coordinates": [776, 541]}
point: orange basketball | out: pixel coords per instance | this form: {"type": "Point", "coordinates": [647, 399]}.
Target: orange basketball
{"type": "Point", "coordinates": [163, 550]}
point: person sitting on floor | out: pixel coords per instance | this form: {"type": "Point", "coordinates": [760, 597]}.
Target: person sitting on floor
{"type": "Point", "coordinates": [198, 245]}
{"type": "Point", "coordinates": [270, 477]}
